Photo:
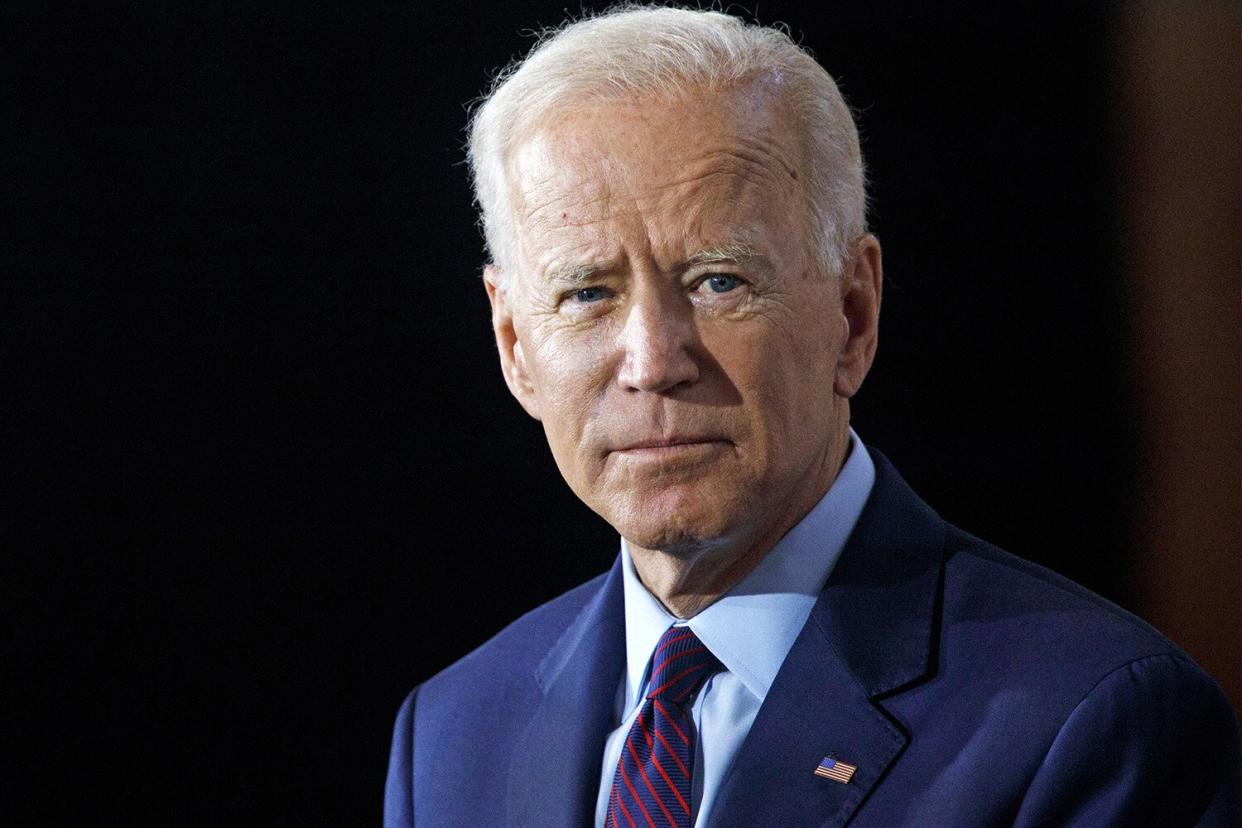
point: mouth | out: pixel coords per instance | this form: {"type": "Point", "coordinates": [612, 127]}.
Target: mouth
{"type": "Point", "coordinates": [670, 446]}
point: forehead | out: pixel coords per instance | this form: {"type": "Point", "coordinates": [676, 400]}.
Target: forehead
{"type": "Point", "coordinates": [704, 164]}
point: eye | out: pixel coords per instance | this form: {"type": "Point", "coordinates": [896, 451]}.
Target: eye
{"type": "Point", "coordinates": [590, 294]}
{"type": "Point", "coordinates": [722, 282]}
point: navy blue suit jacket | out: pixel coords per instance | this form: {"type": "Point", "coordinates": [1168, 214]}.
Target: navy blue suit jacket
{"type": "Point", "coordinates": [969, 687]}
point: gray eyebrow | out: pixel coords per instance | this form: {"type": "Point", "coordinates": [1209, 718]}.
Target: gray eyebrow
{"type": "Point", "coordinates": [731, 252]}
{"type": "Point", "coordinates": [573, 275]}
{"type": "Point", "coordinates": [576, 275]}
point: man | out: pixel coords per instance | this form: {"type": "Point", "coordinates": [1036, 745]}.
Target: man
{"type": "Point", "coordinates": [685, 295]}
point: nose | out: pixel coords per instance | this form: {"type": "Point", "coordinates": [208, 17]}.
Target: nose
{"type": "Point", "coordinates": [658, 338]}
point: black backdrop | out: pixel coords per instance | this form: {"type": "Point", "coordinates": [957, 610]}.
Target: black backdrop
{"type": "Point", "coordinates": [264, 475]}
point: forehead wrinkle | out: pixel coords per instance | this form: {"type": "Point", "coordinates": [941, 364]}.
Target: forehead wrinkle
{"type": "Point", "coordinates": [757, 168]}
{"type": "Point", "coordinates": [761, 151]}
{"type": "Point", "coordinates": [571, 258]}
{"type": "Point", "coordinates": [565, 200]}
{"type": "Point", "coordinates": [721, 191]}
{"type": "Point", "coordinates": [729, 209]}
{"type": "Point", "coordinates": [539, 190]}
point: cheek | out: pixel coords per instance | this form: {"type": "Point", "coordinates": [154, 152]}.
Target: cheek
{"type": "Point", "coordinates": [816, 334]}
{"type": "Point", "coordinates": [785, 378]}
{"type": "Point", "coordinates": [571, 375]}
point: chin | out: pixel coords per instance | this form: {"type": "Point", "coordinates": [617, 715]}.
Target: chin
{"type": "Point", "coordinates": [676, 542]}
{"type": "Point", "coordinates": [673, 525]}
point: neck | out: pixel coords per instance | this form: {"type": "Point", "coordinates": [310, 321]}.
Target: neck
{"type": "Point", "coordinates": [688, 579]}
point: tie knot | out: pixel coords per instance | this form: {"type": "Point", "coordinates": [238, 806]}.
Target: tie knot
{"type": "Point", "coordinates": [680, 665]}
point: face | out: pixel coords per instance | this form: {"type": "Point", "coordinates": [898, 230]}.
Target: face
{"type": "Point", "coordinates": [667, 320]}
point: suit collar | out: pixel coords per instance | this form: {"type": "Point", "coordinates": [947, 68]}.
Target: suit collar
{"type": "Point", "coordinates": [879, 607]}
{"type": "Point", "coordinates": [869, 635]}
{"type": "Point", "coordinates": [752, 627]}
{"type": "Point", "coordinates": [555, 770]}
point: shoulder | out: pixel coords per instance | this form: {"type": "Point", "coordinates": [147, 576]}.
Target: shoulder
{"type": "Point", "coordinates": [1046, 704]}
{"type": "Point", "coordinates": [1152, 742]}
{"type": "Point", "coordinates": [1081, 675]}
{"type": "Point", "coordinates": [513, 654]}
{"type": "Point", "coordinates": [1000, 623]}
{"type": "Point", "coordinates": [1047, 614]}
{"type": "Point", "coordinates": [463, 723]}
{"type": "Point", "coordinates": [1126, 728]}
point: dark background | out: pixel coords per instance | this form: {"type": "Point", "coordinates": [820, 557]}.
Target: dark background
{"type": "Point", "coordinates": [264, 473]}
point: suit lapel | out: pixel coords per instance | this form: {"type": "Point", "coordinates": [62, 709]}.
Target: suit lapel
{"type": "Point", "coordinates": [555, 772]}
{"type": "Point", "coordinates": [869, 634]}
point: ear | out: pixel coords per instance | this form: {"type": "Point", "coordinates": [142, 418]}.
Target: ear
{"type": "Point", "coordinates": [861, 286]}
{"type": "Point", "coordinates": [512, 357]}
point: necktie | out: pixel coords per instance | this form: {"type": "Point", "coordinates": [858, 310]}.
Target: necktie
{"type": "Point", "coordinates": [652, 783]}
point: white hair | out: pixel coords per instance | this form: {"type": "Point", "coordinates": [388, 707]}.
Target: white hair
{"type": "Point", "coordinates": [668, 52]}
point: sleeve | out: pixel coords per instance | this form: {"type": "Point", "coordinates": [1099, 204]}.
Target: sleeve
{"type": "Point", "coordinates": [399, 790]}
{"type": "Point", "coordinates": [1155, 742]}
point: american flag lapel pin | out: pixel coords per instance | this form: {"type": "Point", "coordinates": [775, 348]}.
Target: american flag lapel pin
{"type": "Point", "coordinates": [832, 768]}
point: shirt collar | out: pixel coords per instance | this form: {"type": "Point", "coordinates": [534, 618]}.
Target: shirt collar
{"type": "Point", "coordinates": [752, 627]}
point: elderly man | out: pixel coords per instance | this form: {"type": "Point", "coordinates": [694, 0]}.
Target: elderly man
{"type": "Point", "coordinates": [685, 295]}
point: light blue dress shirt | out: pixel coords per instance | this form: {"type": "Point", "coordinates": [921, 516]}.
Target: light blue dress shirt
{"type": "Point", "coordinates": [751, 630]}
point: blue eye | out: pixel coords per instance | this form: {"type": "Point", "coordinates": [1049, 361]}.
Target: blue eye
{"type": "Point", "coordinates": [591, 294]}
{"type": "Point", "coordinates": [722, 282]}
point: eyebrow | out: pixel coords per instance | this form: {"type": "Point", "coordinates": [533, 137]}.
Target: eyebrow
{"type": "Point", "coordinates": [731, 252]}
{"type": "Point", "coordinates": [576, 275]}
{"type": "Point", "coordinates": [573, 275]}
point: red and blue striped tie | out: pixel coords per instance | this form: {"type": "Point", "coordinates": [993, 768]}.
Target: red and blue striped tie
{"type": "Point", "coordinates": [652, 784]}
